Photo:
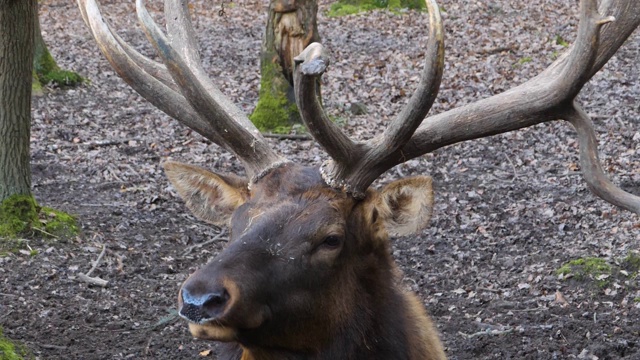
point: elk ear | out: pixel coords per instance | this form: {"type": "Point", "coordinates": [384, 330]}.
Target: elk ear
{"type": "Point", "coordinates": [210, 197]}
{"type": "Point", "coordinates": [405, 206]}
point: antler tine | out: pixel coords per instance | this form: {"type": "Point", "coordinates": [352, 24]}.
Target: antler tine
{"type": "Point", "coordinates": [181, 33]}
{"type": "Point", "coordinates": [571, 75]}
{"type": "Point", "coordinates": [152, 81]}
{"type": "Point", "coordinates": [579, 63]}
{"type": "Point", "coordinates": [354, 163]}
{"type": "Point", "coordinates": [405, 124]}
{"type": "Point", "coordinates": [229, 125]}
{"type": "Point", "coordinates": [309, 66]}
{"type": "Point", "coordinates": [590, 164]}
{"type": "Point", "coordinates": [155, 69]}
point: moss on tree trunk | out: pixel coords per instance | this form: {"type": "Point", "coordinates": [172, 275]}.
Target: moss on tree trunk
{"type": "Point", "coordinates": [291, 26]}
{"type": "Point", "coordinates": [348, 7]}
{"type": "Point", "coordinates": [20, 215]}
{"type": "Point", "coordinates": [45, 68]}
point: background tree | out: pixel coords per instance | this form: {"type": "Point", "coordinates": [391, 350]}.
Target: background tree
{"type": "Point", "coordinates": [45, 68]}
{"type": "Point", "coordinates": [291, 26]}
{"type": "Point", "coordinates": [19, 212]}
{"type": "Point", "coordinates": [16, 54]}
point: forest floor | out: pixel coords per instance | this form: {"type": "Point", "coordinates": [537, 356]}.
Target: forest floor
{"type": "Point", "coordinates": [510, 209]}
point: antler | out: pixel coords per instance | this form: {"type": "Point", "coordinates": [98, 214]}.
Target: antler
{"type": "Point", "coordinates": [180, 87]}
{"type": "Point", "coordinates": [549, 96]}
{"type": "Point", "coordinates": [353, 162]}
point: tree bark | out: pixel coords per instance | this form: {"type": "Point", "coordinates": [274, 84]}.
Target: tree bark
{"type": "Point", "coordinates": [16, 66]}
{"type": "Point", "coordinates": [291, 26]}
{"type": "Point", "coordinates": [42, 60]}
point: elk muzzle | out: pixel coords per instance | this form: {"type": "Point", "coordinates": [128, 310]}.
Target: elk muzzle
{"type": "Point", "coordinates": [206, 303]}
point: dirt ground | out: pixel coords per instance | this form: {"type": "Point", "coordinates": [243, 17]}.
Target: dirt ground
{"type": "Point", "coordinates": [510, 209]}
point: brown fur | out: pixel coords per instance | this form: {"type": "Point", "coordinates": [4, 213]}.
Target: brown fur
{"type": "Point", "coordinates": [308, 271]}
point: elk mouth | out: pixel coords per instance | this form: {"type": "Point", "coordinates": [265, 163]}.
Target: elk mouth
{"type": "Point", "coordinates": [212, 331]}
{"type": "Point", "coordinates": [223, 329]}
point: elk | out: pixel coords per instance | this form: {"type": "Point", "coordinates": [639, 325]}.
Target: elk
{"type": "Point", "coordinates": [307, 273]}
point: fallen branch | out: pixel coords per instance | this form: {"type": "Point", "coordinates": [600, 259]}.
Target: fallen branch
{"type": "Point", "coordinates": [94, 280]}
{"type": "Point", "coordinates": [486, 332]}
{"type": "Point", "coordinates": [98, 143]}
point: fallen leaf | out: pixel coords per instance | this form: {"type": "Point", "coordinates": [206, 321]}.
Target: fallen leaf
{"type": "Point", "coordinates": [205, 353]}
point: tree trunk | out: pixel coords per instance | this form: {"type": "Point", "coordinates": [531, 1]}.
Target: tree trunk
{"type": "Point", "coordinates": [291, 26]}
{"type": "Point", "coordinates": [45, 68]}
{"type": "Point", "coordinates": [16, 53]}
{"type": "Point", "coordinates": [39, 51]}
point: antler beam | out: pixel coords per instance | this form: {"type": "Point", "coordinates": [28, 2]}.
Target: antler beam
{"type": "Point", "coordinates": [549, 96]}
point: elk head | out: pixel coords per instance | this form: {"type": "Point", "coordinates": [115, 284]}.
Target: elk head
{"type": "Point", "coordinates": [300, 253]}
{"type": "Point", "coordinates": [309, 249]}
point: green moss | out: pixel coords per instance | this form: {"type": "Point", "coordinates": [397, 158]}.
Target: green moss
{"type": "Point", "coordinates": [338, 9]}
{"type": "Point", "coordinates": [20, 215]}
{"type": "Point", "coordinates": [560, 41]}
{"type": "Point", "coordinates": [274, 112]}
{"type": "Point", "coordinates": [47, 71]}
{"type": "Point", "coordinates": [36, 87]}
{"type": "Point", "coordinates": [636, 300]}
{"type": "Point", "coordinates": [58, 223]}
{"type": "Point", "coordinates": [62, 78]}
{"type": "Point", "coordinates": [43, 62]}
{"type": "Point", "coordinates": [17, 214]}
{"type": "Point", "coordinates": [11, 350]}
{"type": "Point", "coordinates": [350, 7]}
{"type": "Point", "coordinates": [588, 268]}
{"type": "Point", "coordinates": [525, 60]}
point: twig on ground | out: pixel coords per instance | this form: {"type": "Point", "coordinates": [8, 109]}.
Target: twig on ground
{"type": "Point", "coordinates": [480, 288]}
{"type": "Point", "coordinates": [103, 205]}
{"type": "Point", "coordinates": [489, 332]}
{"type": "Point", "coordinates": [94, 280]}
{"type": "Point", "coordinates": [6, 314]}
{"type": "Point", "coordinates": [542, 308]}
{"type": "Point", "coordinates": [515, 172]}
{"type": "Point", "coordinates": [147, 350]}
{"type": "Point", "coordinates": [44, 232]}
{"type": "Point", "coordinates": [497, 50]}
{"type": "Point", "coordinates": [97, 143]}
{"type": "Point", "coordinates": [53, 347]}
{"type": "Point", "coordinates": [194, 246]}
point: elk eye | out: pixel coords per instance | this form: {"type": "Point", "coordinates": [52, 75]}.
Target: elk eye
{"type": "Point", "coordinates": [332, 241]}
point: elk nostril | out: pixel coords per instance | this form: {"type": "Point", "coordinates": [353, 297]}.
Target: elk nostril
{"type": "Point", "coordinates": [200, 308]}
{"type": "Point", "coordinates": [217, 299]}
